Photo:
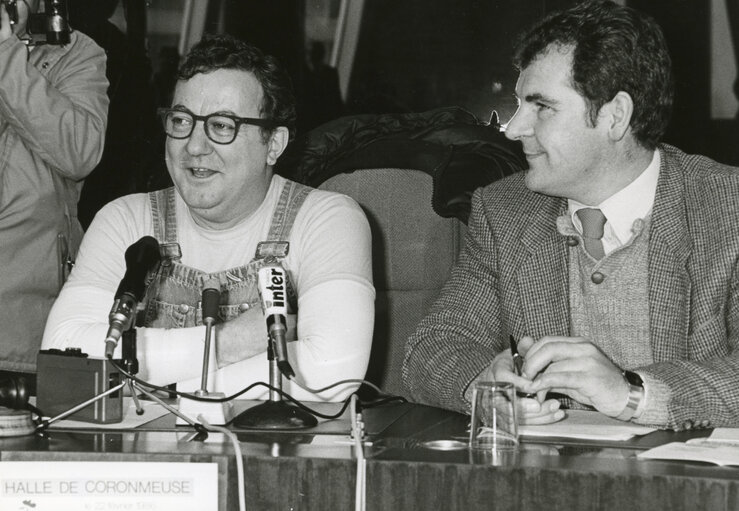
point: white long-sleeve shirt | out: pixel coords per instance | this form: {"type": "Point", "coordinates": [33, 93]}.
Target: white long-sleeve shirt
{"type": "Point", "coordinates": [329, 259]}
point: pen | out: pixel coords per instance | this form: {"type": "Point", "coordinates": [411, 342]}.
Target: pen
{"type": "Point", "coordinates": [518, 363]}
{"type": "Point", "coordinates": [517, 358]}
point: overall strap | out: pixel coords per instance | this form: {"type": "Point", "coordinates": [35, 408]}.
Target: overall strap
{"type": "Point", "coordinates": [164, 217]}
{"type": "Point", "coordinates": [291, 199]}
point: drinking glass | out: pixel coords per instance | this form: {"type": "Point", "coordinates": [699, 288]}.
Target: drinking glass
{"type": "Point", "coordinates": [494, 425]}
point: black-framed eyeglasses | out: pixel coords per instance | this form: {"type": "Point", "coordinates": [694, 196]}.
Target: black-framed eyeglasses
{"type": "Point", "coordinates": [220, 128]}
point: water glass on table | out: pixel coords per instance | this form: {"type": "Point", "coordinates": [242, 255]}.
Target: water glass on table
{"type": "Point", "coordinates": [494, 425]}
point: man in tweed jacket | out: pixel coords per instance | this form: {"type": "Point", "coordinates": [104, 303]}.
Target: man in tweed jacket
{"type": "Point", "coordinates": [646, 332]}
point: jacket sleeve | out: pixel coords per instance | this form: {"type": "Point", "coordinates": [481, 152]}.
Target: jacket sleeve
{"type": "Point", "coordinates": [700, 391]}
{"type": "Point", "coordinates": [694, 295]}
{"type": "Point", "coordinates": [60, 110]}
{"type": "Point", "coordinates": [457, 340]}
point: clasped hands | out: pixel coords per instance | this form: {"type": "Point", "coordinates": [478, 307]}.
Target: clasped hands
{"type": "Point", "coordinates": [567, 365]}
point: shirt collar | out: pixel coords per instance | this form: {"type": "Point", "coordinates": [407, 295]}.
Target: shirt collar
{"type": "Point", "coordinates": [632, 202]}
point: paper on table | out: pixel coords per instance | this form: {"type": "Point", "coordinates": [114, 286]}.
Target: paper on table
{"type": "Point", "coordinates": [586, 425]}
{"type": "Point", "coordinates": [152, 410]}
{"type": "Point", "coordinates": [723, 436]}
{"type": "Point", "coordinates": [720, 448]}
{"type": "Point", "coordinates": [718, 453]}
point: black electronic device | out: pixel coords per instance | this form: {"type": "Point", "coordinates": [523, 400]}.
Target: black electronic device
{"type": "Point", "coordinates": [12, 9]}
{"type": "Point", "coordinates": [52, 24]}
{"type": "Point", "coordinates": [13, 392]}
{"type": "Point", "coordinates": [69, 377]}
{"type": "Point", "coordinates": [48, 27]}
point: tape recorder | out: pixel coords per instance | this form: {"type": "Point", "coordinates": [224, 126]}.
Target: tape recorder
{"type": "Point", "coordinates": [67, 378]}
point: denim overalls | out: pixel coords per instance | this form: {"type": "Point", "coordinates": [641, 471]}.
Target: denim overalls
{"type": "Point", "coordinates": [173, 296]}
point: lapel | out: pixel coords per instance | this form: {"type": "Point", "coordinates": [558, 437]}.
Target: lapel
{"type": "Point", "coordinates": [669, 250]}
{"type": "Point", "coordinates": [541, 272]}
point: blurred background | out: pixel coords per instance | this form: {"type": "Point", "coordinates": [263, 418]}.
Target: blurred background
{"type": "Point", "coordinates": [379, 56]}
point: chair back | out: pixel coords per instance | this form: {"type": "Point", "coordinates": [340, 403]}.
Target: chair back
{"type": "Point", "coordinates": [414, 175]}
{"type": "Point", "coordinates": [413, 252]}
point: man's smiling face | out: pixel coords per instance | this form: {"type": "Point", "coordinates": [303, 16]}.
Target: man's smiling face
{"type": "Point", "coordinates": [565, 152]}
{"type": "Point", "coordinates": [221, 184]}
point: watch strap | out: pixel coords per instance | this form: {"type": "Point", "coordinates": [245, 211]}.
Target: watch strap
{"type": "Point", "coordinates": [636, 395]}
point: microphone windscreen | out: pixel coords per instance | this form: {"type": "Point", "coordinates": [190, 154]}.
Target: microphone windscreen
{"type": "Point", "coordinates": [211, 299]}
{"type": "Point", "coordinates": [13, 392]}
{"type": "Point", "coordinates": [141, 257]}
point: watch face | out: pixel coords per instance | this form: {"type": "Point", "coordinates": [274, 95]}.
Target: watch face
{"type": "Point", "coordinates": [633, 378]}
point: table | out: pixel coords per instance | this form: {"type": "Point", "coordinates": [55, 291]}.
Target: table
{"type": "Point", "coordinates": [309, 470]}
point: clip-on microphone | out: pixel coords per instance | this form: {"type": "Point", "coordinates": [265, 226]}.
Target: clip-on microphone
{"type": "Point", "coordinates": [212, 411]}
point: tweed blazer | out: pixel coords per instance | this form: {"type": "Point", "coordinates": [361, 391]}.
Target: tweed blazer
{"type": "Point", "coordinates": [512, 278]}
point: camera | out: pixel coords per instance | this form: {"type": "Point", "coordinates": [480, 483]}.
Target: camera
{"type": "Point", "coordinates": [49, 27]}
{"type": "Point", "coordinates": [12, 8]}
{"type": "Point", "coordinates": [68, 378]}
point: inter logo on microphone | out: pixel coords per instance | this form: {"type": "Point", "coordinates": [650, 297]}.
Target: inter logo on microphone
{"type": "Point", "coordinates": [276, 280]}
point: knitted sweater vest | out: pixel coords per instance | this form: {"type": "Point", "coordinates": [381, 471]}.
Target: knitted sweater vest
{"type": "Point", "coordinates": [613, 314]}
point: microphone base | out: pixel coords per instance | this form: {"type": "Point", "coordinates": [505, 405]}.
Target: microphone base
{"type": "Point", "coordinates": [215, 413]}
{"type": "Point", "coordinates": [274, 415]}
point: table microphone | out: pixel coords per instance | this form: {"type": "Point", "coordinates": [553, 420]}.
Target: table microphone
{"type": "Point", "coordinates": [214, 410]}
{"type": "Point", "coordinates": [211, 299]}
{"type": "Point", "coordinates": [141, 257]}
{"type": "Point", "coordinates": [273, 292]}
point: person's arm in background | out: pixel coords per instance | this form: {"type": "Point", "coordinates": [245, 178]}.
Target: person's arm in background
{"type": "Point", "coordinates": [331, 268]}
{"type": "Point", "coordinates": [60, 112]}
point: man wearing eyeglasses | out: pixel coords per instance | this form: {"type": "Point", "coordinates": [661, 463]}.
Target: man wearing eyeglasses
{"type": "Point", "coordinates": [228, 215]}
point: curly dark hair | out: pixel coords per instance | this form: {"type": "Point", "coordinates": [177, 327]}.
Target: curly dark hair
{"type": "Point", "coordinates": [615, 48]}
{"type": "Point", "coordinates": [224, 51]}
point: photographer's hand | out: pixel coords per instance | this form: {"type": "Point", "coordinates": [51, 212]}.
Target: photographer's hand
{"type": "Point", "coordinates": [6, 29]}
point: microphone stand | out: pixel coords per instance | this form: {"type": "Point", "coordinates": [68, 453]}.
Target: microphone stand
{"type": "Point", "coordinates": [131, 366]}
{"type": "Point", "coordinates": [274, 414]}
{"type": "Point", "coordinates": [215, 412]}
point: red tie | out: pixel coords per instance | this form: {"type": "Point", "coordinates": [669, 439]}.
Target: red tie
{"type": "Point", "coordinates": [592, 220]}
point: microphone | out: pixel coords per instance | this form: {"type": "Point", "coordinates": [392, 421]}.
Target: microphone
{"type": "Point", "coordinates": [273, 292]}
{"type": "Point", "coordinates": [211, 298]}
{"type": "Point", "coordinates": [141, 257]}
{"type": "Point", "coordinates": [215, 409]}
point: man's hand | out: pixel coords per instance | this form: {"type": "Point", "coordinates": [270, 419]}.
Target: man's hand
{"type": "Point", "coordinates": [577, 368]}
{"type": "Point", "coordinates": [246, 336]}
{"type": "Point", "coordinates": [530, 410]}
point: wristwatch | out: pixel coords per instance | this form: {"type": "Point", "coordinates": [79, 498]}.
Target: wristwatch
{"type": "Point", "coordinates": [636, 394]}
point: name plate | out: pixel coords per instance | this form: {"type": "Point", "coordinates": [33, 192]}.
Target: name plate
{"type": "Point", "coordinates": [106, 486]}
